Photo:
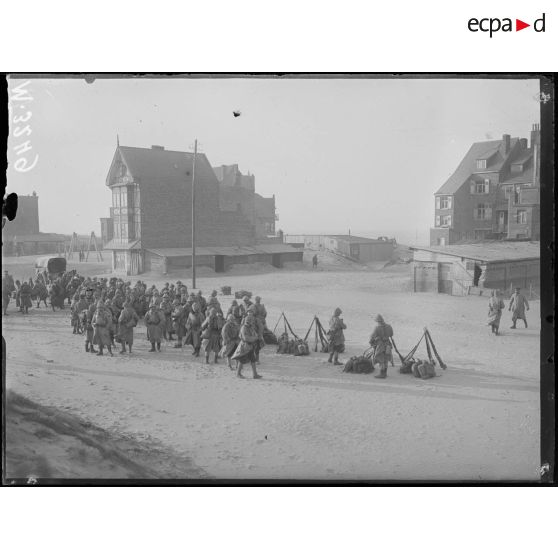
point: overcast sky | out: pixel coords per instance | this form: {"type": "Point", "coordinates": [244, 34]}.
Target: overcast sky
{"type": "Point", "coordinates": [337, 153]}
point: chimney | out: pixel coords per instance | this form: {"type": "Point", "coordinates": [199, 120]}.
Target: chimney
{"type": "Point", "coordinates": [523, 143]}
{"type": "Point", "coordinates": [160, 147]}
{"type": "Point", "coordinates": [506, 141]}
{"type": "Point", "coordinates": [535, 134]}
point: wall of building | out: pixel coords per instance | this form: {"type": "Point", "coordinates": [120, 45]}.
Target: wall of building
{"type": "Point", "coordinates": [314, 242]}
{"type": "Point", "coordinates": [265, 216]}
{"type": "Point", "coordinates": [376, 252]}
{"type": "Point", "coordinates": [27, 218]}
{"type": "Point", "coordinates": [166, 219]}
{"type": "Point", "coordinates": [508, 275]}
{"type": "Point", "coordinates": [430, 269]}
{"type": "Point", "coordinates": [107, 229]}
{"type": "Point", "coordinates": [531, 205]}
{"type": "Point", "coordinates": [160, 264]}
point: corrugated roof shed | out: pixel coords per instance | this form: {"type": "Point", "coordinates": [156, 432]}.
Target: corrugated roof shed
{"type": "Point", "coordinates": [489, 251]}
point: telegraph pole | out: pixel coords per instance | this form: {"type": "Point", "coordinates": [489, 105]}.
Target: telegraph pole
{"type": "Point", "coordinates": [194, 216]}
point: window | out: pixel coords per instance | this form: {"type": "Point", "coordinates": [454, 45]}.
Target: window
{"type": "Point", "coordinates": [517, 195]}
{"type": "Point", "coordinates": [483, 212]}
{"type": "Point", "coordinates": [480, 186]}
{"type": "Point", "coordinates": [124, 230]}
{"type": "Point", "coordinates": [137, 226]}
{"type": "Point", "coordinates": [446, 221]}
{"type": "Point", "coordinates": [438, 220]}
{"type": "Point", "coordinates": [521, 217]}
{"type": "Point", "coordinates": [124, 196]}
{"type": "Point", "coordinates": [443, 202]}
{"type": "Point", "coordinates": [481, 163]}
{"type": "Point", "coordinates": [115, 197]}
{"type": "Point", "coordinates": [117, 231]}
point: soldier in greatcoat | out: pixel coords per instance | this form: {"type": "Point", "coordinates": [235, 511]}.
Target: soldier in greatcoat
{"type": "Point", "coordinates": [230, 338]}
{"type": "Point", "coordinates": [179, 317]}
{"type": "Point", "coordinates": [201, 302]}
{"type": "Point", "coordinates": [380, 340]}
{"type": "Point", "coordinates": [153, 322]}
{"type": "Point", "coordinates": [193, 328]}
{"type": "Point", "coordinates": [127, 321]}
{"type": "Point", "coordinates": [237, 311]}
{"type": "Point", "coordinates": [8, 287]}
{"type": "Point", "coordinates": [495, 307]}
{"type": "Point", "coordinates": [87, 319]}
{"type": "Point", "coordinates": [245, 352]}
{"type": "Point", "coordinates": [166, 309]}
{"type": "Point", "coordinates": [102, 322]}
{"type": "Point", "coordinates": [211, 334]}
{"type": "Point", "coordinates": [336, 337]}
{"type": "Point", "coordinates": [25, 298]}
{"type": "Point", "coordinates": [518, 305]}
{"type": "Point", "coordinates": [213, 302]}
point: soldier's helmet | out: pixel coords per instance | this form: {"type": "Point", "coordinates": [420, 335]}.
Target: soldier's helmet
{"type": "Point", "coordinates": [337, 312]}
{"type": "Point", "coordinates": [258, 298]}
{"type": "Point", "coordinates": [379, 318]}
{"type": "Point", "coordinates": [213, 293]}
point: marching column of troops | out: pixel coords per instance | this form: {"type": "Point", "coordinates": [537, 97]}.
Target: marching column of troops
{"type": "Point", "coordinates": [108, 310]}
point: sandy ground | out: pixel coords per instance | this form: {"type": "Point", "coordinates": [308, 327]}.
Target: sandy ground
{"type": "Point", "coordinates": [478, 420]}
{"type": "Point", "coordinates": [47, 443]}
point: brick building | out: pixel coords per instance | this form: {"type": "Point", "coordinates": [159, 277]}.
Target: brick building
{"type": "Point", "coordinates": [22, 236]}
{"type": "Point", "coordinates": [151, 209]}
{"type": "Point", "coordinates": [27, 217]}
{"type": "Point", "coordinates": [238, 193]}
{"type": "Point", "coordinates": [492, 195]}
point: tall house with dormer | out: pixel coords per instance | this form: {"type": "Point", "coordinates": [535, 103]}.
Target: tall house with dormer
{"type": "Point", "coordinates": [492, 195]}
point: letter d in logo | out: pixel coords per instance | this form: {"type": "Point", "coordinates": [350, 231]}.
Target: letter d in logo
{"type": "Point", "coordinates": [539, 24]}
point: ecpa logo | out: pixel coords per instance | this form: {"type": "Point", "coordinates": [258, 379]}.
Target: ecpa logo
{"type": "Point", "coordinates": [494, 24]}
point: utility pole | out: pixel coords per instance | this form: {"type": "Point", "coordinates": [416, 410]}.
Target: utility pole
{"type": "Point", "coordinates": [194, 215]}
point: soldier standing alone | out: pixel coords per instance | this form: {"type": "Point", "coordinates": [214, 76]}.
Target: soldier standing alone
{"type": "Point", "coordinates": [336, 337]}
{"type": "Point", "coordinates": [380, 341]}
{"type": "Point", "coordinates": [518, 304]}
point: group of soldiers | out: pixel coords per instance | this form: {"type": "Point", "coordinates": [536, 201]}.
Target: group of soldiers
{"type": "Point", "coordinates": [42, 288]}
{"type": "Point", "coordinates": [518, 305]}
{"type": "Point", "coordinates": [379, 341]}
{"type": "Point", "coordinates": [106, 311]}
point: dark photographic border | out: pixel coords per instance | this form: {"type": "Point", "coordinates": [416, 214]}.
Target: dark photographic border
{"type": "Point", "coordinates": [548, 277]}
